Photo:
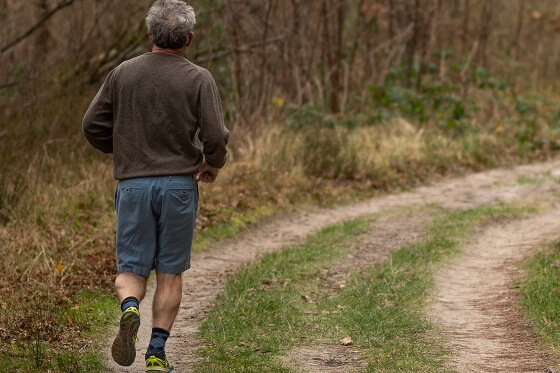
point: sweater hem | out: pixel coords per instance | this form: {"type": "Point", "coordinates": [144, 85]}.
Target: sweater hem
{"type": "Point", "coordinates": [135, 175]}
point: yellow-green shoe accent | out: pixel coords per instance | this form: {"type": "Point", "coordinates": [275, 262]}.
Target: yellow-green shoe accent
{"type": "Point", "coordinates": [124, 345]}
{"type": "Point", "coordinates": [156, 364]}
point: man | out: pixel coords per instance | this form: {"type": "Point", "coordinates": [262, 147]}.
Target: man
{"type": "Point", "coordinates": [147, 114]}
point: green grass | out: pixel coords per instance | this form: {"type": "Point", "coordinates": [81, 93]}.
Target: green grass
{"type": "Point", "coordinates": [265, 309]}
{"type": "Point", "coordinates": [237, 222]}
{"type": "Point", "coordinates": [525, 180]}
{"type": "Point", "coordinates": [260, 311]}
{"type": "Point", "coordinates": [541, 295]}
{"type": "Point", "coordinates": [87, 316]}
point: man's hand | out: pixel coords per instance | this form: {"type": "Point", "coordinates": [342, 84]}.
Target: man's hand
{"type": "Point", "coordinates": [207, 174]}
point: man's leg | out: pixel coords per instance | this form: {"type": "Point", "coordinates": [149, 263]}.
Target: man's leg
{"type": "Point", "coordinates": [131, 289]}
{"type": "Point", "coordinates": [130, 285]}
{"type": "Point", "coordinates": [176, 223]}
{"type": "Point", "coordinates": [167, 300]}
{"type": "Point", "coordinates": [136, 242]}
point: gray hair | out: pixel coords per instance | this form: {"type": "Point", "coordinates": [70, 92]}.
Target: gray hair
{"type": "Point", "coordinates": [170, 22]}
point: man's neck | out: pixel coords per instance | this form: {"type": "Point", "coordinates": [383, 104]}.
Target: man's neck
{"type": "Point", "coordinates": [177, 52]}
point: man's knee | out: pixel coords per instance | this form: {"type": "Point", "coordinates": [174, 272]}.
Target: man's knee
{"type": "Point", "coordinates": [129, 284]}
{"type": "Point", "coordinates": [169, 278]}
{"type": "Point", "coordinates": [170, 286]}
{"type": "Point", "coordinates": [124, 278]}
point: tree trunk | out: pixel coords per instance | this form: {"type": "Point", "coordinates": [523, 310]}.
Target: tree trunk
{"type": "Point", "coordinates": [414, 41]}
{"type": "Point", "coordinates": [261, 96]}
{"type": "Point", "coordinates": [485, 30]}
{"type": "Point", "coordinates": [337, 58]}
{"type": "Point", "coordinates": [466, 20]}
{"type": "Point", "coordinates": [519, 28]}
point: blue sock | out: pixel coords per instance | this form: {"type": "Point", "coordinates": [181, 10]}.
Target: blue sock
{"type": "Point", "coordinates": [129, 301]}
{"type": "Point", "coordinates": [157, 343]}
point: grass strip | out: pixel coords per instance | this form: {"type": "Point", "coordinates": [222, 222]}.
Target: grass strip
{"type": "Point", "coordinates": [265, 309]}
{"type": "Point", "coordinates": [260, 311]}
{"type": "Point", "coordinates": [540, 295]}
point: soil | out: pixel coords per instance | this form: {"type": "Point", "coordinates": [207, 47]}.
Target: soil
{"type": "Point", "coordinates": [477, 302]}
{"type": "Point", "coordinates": [327, 358]}
{"type": "Point", "coordinates": [209, 269]}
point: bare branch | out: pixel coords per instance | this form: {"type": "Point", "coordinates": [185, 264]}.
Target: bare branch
{"type": "Point", "coordinates": [216, 55]}
{"type": "Point", "coordinates": [37, 25]}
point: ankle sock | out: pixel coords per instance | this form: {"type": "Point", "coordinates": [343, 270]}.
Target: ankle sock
{"type": "Point", "coordinates": [128, 302]}
{"type": "Point", "coordinates": [157, 343]}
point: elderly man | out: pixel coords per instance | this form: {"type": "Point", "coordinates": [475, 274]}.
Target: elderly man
{"type": "Point", "coordinates": [148, 113]}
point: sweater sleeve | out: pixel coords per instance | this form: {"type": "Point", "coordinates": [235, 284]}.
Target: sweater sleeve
{"type": "Point", "coordinates": [97, 124]}
{"type": "Point", "coordinates": [213, 133]}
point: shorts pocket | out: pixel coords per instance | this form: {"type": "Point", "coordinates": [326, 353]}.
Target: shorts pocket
{"type": "Point", "coordinates": [130, 193]}
{"type": "Point", "coordinates": [182, 192]}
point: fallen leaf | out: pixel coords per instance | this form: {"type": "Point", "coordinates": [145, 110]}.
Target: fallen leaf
{"type": "Point", "coordinates": [346, 341]}
{"type": "Point", "coordinates": [500, 126]}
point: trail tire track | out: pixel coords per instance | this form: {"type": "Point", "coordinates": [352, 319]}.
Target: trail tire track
{"type": "Point", "coordinates": [477, 303]}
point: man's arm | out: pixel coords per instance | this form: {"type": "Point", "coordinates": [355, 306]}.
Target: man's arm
{"type": "Point", "coordinates": [97, 124]}
{"type": "Point", "coordinates": [213, 133]}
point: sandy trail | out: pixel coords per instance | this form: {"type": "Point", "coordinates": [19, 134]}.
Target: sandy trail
{"type": "Point", "coordinates": [477, 303]}
{"type": "Point", "coordinates": [206, 279]}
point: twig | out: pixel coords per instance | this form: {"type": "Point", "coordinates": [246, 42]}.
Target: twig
{"type": "Point", "coordinates": [224, 53]}
{"type": "Point", "coordinates": [469, 60]}
{"type": "Point", "coordinates": [39, 23]}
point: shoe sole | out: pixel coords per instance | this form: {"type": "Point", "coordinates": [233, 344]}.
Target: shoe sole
{"type": "Point", "coordinates": [159, 370]}
{"type": "Point", "coordinates": [123, 349]}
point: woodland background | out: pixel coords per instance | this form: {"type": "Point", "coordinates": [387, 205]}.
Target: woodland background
{"type": "Point", "coordinates": [327, 101]}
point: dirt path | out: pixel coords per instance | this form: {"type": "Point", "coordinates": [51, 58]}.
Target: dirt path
{"type": "Point", "coordinates": [207, 277]}
{"type": "Point", "coordinates": [477, 303]}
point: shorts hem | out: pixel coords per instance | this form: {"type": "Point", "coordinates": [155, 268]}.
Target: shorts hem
{"type": "Point", "coordinates": [137, 271]}
{"type": "Point", "coordinates": [172, 270]}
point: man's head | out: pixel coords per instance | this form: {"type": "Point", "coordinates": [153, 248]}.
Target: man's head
{"type": "Point", "coordinates": [170, 24]}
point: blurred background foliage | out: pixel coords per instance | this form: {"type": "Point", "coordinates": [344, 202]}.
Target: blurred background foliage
{"type": "Point", "coordinates": [327, 101]}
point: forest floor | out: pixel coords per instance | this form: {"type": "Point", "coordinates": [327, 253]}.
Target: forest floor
{"type": "Point", "coordinates": [474, 302]}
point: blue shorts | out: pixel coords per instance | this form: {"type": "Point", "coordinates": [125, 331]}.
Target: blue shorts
{"type": "Point", "coordinates": [155, 223]}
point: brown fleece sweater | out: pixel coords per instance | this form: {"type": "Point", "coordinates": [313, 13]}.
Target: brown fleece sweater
{"type": "Point", "coordinates": [148, 112]}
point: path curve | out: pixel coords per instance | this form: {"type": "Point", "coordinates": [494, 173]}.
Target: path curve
{"type": "Point", "coordinates": [477, 303]}
{"type": "Point", "coordinates": [206, 278]}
